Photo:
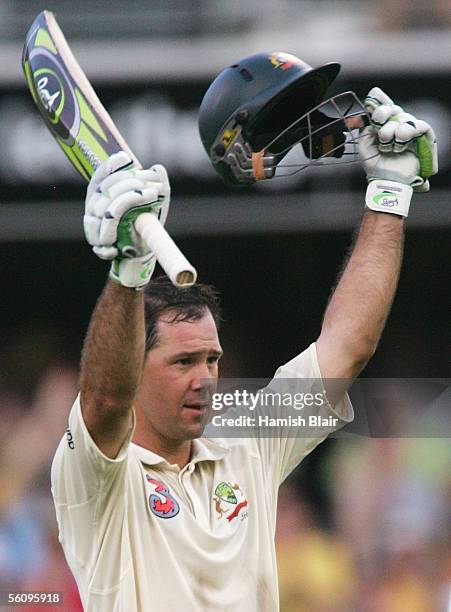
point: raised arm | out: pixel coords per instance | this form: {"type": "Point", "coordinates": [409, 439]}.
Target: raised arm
{"type": "Point", "coordinates": [356, 314]}
{"type": "Point", "coordinates": [113, 351]}
{"type": "Point", "coordinates": [111, 365]}
{"type": "Point", "coordinates": [398, 153]}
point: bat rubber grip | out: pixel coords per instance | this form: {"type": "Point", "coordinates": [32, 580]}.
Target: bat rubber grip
{"type": "Point", "coordinates": [169, 256]}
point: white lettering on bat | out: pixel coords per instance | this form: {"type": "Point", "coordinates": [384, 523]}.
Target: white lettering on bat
{"type": "Point", "coordinates": [46, 98]}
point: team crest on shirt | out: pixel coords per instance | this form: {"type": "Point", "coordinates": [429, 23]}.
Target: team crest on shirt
{"type": "Point", "coordinates": [161, 501]}
{"type": "Point", "coordinates": [229, 501]}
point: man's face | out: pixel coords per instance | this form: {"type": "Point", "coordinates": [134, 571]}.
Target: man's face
{"type": "Point", "coordinates": [173, 394]}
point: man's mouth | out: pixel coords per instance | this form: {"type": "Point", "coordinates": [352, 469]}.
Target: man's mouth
{"type": "Point", "coordinates": [197, 409]}
{"type": "Point", "coordinates": [196, 406]}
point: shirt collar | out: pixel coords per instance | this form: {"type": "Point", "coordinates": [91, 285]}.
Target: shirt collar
{"type": "Point", "coordinates": [204, 449]}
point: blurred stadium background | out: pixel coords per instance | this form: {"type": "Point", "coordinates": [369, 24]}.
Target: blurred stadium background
{"type": "Point", "coordinates": [364, 524]}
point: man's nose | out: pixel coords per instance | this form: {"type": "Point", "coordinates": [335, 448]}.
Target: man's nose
{"type": "Point", "coordinates": [201, 377]}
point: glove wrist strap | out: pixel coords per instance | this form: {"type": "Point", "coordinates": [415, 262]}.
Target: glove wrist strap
{"type": "Point", "coordinates": [135, 272]}
{"type": "Point", "coordinates": [388, 196]}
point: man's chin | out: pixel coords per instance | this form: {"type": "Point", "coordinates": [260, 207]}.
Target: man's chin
{"type": "Point", "coordinates": [194, 430]}
{"type": "Point", "coordinates": [187, 431]}
{"type": "Point", "coordinates": [194, 421]}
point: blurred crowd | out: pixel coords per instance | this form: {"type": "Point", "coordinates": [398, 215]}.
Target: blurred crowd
{"type": "Point", "coordinates": [383, 544]}
{"type": "Point", "coordinates": [38, 384]}
{"type": "Point", "coordinates": [31, 558]}
{"type": "Point", "coordinates": [387, 547]}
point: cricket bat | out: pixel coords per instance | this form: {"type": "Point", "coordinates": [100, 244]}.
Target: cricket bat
{"type": "Point", "coordinates": [83, 128]}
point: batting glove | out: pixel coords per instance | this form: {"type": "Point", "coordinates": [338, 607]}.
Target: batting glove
{"type": "Point", "coordinates": [117, 194]}
{"type": "Point", "coordinates": [398, 152]}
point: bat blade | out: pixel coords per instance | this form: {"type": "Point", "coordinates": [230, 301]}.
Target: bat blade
{"type": "Point", "coordinates": [81, 125]}
{"type": "Point", "coordinates": [66, 100]}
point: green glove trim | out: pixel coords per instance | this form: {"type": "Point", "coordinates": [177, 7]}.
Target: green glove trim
{"type": "Point", "coordinates": [425, 157]}
{"type": "Point", "coordinates": [125, 242]}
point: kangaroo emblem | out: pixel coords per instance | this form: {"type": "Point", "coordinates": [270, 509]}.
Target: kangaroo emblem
{"type": "Point", "coordinates": [229, 500]}
{"type": "Point", "coordinates": [218, 508]}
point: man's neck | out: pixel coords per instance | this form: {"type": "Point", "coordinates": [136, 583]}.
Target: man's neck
{"type": "Point", "coordinates": [174, 451]}
{"type": "Point", "coordinates": [175, 454]}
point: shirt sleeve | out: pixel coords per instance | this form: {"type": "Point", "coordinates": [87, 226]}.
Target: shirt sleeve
{"type": "Point", "coordinates": [283, 446]}
{"type": "Point", "coordinates": [84, 480]}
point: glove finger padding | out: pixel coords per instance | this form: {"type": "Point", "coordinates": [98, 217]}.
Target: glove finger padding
{"type": "Point", "coordinates": [375, 98]}
{"type": "Point", "coordinates": [403, 167]}
{"type": "Point", "coordinates": [397, 133]}
{"type": "Point", "coordinates": [106, 253]}
{"type": "Point", "coordinates": [384, 113]}
{"type": "Point", "coordinates": [405, 133]}
{"type": "Point", "coordinates": [386, 136]}
{"type": "Point", "coordinates": [117, 161]}
{"type": "Point", "coordinates": [131, 184]}
{"type": "Point", "coordinates": [102, 201]}
{"type": "Point", "coordinates": [91, 228]}
{"type": "Point", "coordinates": [160, 174]}
{"type": "Point", "coordinates": [135, 201]}
{"type": "Point", "coordinates": [97, 202]}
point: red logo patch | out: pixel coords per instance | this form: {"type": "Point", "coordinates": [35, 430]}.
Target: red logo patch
{"type": "Point", "coordinates": [161, 502]}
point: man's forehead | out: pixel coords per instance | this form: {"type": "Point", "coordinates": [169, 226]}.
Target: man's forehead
{"type": "Point", "coordinates": [190, 330]}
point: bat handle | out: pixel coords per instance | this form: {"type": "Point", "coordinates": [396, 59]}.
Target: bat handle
{"type": "Point", "coordinates": [169, 256]}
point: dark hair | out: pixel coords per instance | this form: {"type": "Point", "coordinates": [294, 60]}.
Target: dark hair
{"type": "Point", "coordinates": [184, 304]}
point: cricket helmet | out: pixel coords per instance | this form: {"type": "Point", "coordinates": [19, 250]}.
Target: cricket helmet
{"type": "Point", "coordinates": [256, 110]}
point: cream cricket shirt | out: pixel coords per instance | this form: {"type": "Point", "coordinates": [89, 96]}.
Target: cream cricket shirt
{"type": "Point", "coordinates": [142, 535]}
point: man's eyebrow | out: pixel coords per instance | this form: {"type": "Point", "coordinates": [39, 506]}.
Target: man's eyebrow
{"type": "Point", "coordinates": [216, 353]}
